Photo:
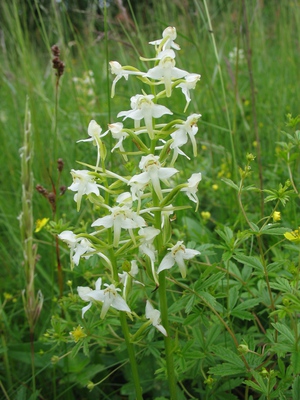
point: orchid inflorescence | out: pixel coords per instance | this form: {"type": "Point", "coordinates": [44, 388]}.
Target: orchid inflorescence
{"type": "Point", "coordinates": [133, 225]}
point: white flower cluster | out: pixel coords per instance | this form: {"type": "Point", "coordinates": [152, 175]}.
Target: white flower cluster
{"type": "Point", "coordinates": [138, 214]}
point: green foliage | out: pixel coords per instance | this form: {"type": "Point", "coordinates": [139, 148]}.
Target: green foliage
{"type": "Point", "coordinates": [235, 318]}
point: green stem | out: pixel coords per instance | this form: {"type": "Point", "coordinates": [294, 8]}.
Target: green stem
{"type": "Point", "coordinates": [32, 359]}
{"type": "Point", "coordinates": [125, 330]}
{"type": "Point", "coordinates": [131, 354]}
{"type": "Point", "coordinates": [162, 290]}
{"type": "Point", "coordinates": [167, 339]}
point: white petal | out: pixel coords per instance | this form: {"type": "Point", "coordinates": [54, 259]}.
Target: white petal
{"type": "Point", "coordinates": [84, 292]}
{"type": "Point", "coordinates": [106, 221]}
{"type": "Point", "coordinates": [120, 304]}
{"type": "Point", "coordinates": [165, 173]}
{"type": "Point", "coordinates": [84, 309]}
{"type": "Point", "coordinates": [161, 329]}
{"type": "Point", "coordinates": [159, 110]}
{"type": "Point", "coordinates": [167, 262]}
{"type": "Point", "coordinates": [149, 309]}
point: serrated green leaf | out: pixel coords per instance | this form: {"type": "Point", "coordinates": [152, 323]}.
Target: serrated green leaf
{"type": "Point", "coordinates": [228, 355]}
{"type": "Point", "coordinates": [270, 230]}
{"type": "Point", "coordinates": [254, 386]}
{"type": "Point", "coordinates": [285, 331]}
{"type": "Point", "coordinates": [282, 285]}
{"type": "Point", "coordinates": [245, 305]}
{"type": "Point", "coordinates": [212, 280]}
{"type": "Point", "coordinates": [251, 261]}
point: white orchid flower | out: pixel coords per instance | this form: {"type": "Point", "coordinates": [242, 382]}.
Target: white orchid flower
{"type": "Point", "coordinates": [146, 247]}
{"type": "Point", "coordinates": [188, 128]}
{"type": "Point", "coordinates": [78, 246]}
{"type": "Point", "coordinates": [117, 132]}
{"type": "Point", "coordinates": [121, 217]}
{"type": "Point", "coordinates": [94, 131]}
{"type": "Point", "coordinates": [169, 35]}
{"type": "Point", "coordinates": [189, 84]}
{"type": "Point", "coordinates": [88, 294]}
{"type": "Point", "coordinates": [177, 255]}
{"type": "Point", "coordinates": [192, 187]}
{"type": "Point", "coordinates": [109, 297]}
{"type": "Point", "coordinates": [153, 172]}
{"type": "Point", "coordinates": [144, 108]}
{"type": "Point", "coordinates": [119, 71]}
{"type": "Point", "coordinates": [166, 70]}
{"type": "Point", "coordinates": [154, 316]}
{"type": "Point", "coordinates": [83, 183]}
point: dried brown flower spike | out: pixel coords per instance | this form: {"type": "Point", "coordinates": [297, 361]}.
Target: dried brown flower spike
{"type": "Point", "coordinates": [57, 64]}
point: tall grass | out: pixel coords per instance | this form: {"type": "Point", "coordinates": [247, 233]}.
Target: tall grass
{"type": "Point", "coordinates": [228, 131]}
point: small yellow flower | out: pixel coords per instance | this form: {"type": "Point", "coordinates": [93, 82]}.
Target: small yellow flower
{"type": "Point", "coordinates": [203, 147]}
{"type": "Point", "coordinates": [7, 296]}
{"type": "Point", "coordinates": [293, 236]}
{"type": "Point", "coordinates": [254, 143]}
{"type": "Point", "coordinates": [77, 333]}
{"type": "Point", "coordinates": [40, 223]}
{"type": "Point", "coordinates": [205, 215]}
{"type": "Point", "coordinates": [276, 216]}
{"type": "Point", "coordinates": [215, 187]}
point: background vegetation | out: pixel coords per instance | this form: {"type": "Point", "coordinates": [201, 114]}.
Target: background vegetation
{"type": "Point", "coordinates": [244, 107]}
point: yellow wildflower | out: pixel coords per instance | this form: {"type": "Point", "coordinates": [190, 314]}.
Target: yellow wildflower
{"type": "Point", "coordinates": [276, 216]}
{"type": "Point", "coordinates": [293, 236]}
{"type": "Point", "coordinates": [77, 333]}
{"type": "Point", "coordinates": [215, 187]}
{"type": "Point", "coordinates": [40, 223]}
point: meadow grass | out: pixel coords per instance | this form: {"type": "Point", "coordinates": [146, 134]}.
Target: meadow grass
{"type": "Point", "coordinates": [244, 109]}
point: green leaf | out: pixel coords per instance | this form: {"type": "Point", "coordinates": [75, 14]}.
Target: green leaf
{"type": "Point", "coordinates": [212, 280]}
{"type": "Point", "coordinates": [243, 315]}
{"type": "Point", "coordinates": [270, 230]}
{"type": "Point", "coordinates": [233, 296]}
{"type": "Point", "coordinates": [230, 183]}
{"type": "Point", "coordinates": [282, 285]}
{"type": "Point", "coordinates": [245, 305]}
{"type": "Point", "coordinates": [285, 331]}
{"type": "Point", "coordinates": [296, 388]}
{"type": "Point", "coordinates": [228, 355]}
{"type": "Point", "coordinates": [251, 261]}
{"type": "Point", "coordinates": [254, 386]}
{"type": "Point", "coordinates": [242, 312]}
{"type": "Point", "coordinates": [296, 361]}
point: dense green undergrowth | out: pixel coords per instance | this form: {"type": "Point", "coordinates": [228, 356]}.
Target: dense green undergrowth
{"type": "Point", "coordinates": [234, 318]}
